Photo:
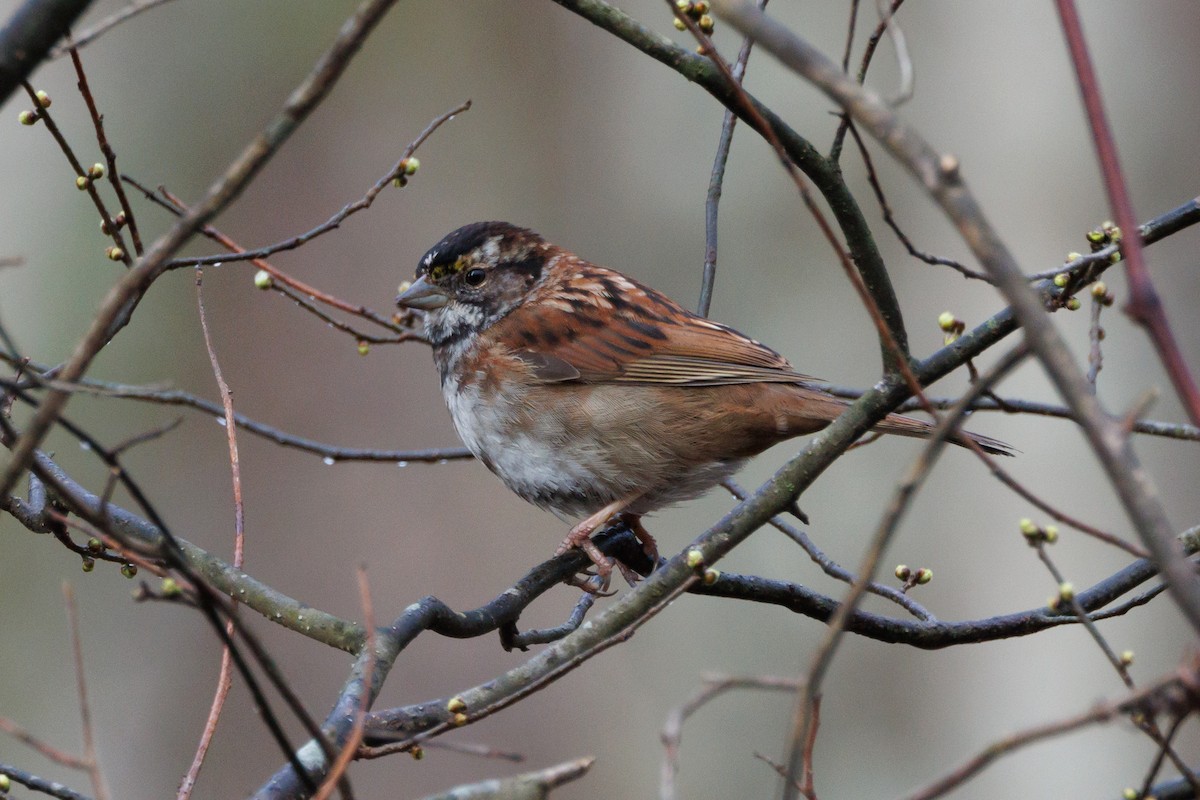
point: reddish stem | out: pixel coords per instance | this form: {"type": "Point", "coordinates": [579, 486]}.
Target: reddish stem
{"type": "Point", "coordinates": [1145, 306]}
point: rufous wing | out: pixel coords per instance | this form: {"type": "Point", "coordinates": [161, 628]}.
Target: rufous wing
{"type": "Point", "coordinates": [603, 327]}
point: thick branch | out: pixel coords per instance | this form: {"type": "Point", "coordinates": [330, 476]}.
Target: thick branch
{"type": "Point", "coordinates": [28, 36]}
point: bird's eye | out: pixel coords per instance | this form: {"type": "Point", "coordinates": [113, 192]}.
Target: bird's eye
{"type": "Point", "coordinates": [475, 276]}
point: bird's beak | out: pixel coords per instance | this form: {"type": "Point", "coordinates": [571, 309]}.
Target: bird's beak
{"type": "Point", "coordinates": [423, 295]}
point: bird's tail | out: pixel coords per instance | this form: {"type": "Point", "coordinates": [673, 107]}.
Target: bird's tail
{"type": "Point", "coordinates": [900, 425]}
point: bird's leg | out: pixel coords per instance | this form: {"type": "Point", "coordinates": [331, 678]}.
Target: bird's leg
{"type": "Point", "coordinates": [581, 537]}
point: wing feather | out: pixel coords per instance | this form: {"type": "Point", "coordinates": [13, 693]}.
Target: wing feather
{"type": "Point", "coordinates": [594, 325]}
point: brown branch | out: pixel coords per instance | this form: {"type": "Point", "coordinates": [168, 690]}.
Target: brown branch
{"type": "Point", "coordinates": [85, 709]}
{"type": "Point", "coordinates": [1145, 306]}
{"type": "Point", "coordinates": [714, 686]}
{"type": "Point", "coordinates": [225, 676]}
{"type": "Point", "coordinates": [48, 750]}
{"type": "Point", "coordinates": [83, 177]}
{"type": "Point", "coordinates": [88, 35]}
{"type": "Point", "coordinates": [337, 770]}
{"type": "Point", "coordinates": [1132, 704]}
{"type": "Point", "coordinates": [110, 157]}
{"type": "Point", "coordinates": [399, 171]}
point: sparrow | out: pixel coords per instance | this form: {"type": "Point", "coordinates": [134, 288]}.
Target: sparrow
{"type": "Point", "coordinates": [592, 395]}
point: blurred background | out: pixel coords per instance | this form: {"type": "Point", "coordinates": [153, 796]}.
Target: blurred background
{"type": "Point", "coordinates": [607, 152]}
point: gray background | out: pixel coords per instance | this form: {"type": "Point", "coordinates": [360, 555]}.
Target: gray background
{"type": "Point", "coordinates": [607, 152]}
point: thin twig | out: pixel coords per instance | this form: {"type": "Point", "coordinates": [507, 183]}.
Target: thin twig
{"type": "Point", "coordinates": [49, 751]}
{"type": "Point", "coordinates": [1095, 337]}
{"type": "Point", "coordinates": [337, 770]}
{"type": "Point", "coordinates": [82, 177]}
{"type": "Point", "coordinates": [471, 749]}
{"type": "Point", "coordinates": [106, 24]}
{"type": "Point", "coordinates": [839, 137]}
{"type": "Point", "coordinates": [1012, 405]}
{"type": "Point", "coordinates": [714, 686]}
{"type": "Point", "coordinates": [1104, 712]}
{"type": "Point", "coordinates": [110, 156]}
{"type": "Point", "coordinates": [177, 207]}
{"type": "Point", "coordinates": [174, 397]}
{"type": "Point", "coordinates": [890, 219]}
{"type": "Point", "coordinates": [831, 567]}
{"type": "Point", "coordinates": [905, 491]}
{"type": "Point", "coordinates": [337, 219]}
{"type": "Point", "coordinates": [225, 676]}
{"type": "Point", "coordinates": [712, 199]}
{"type": "Point", "coordinates": [85, 710]}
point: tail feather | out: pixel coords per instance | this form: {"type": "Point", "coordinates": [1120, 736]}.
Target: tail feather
{"type": "Point", "coordinates": [901, 425]}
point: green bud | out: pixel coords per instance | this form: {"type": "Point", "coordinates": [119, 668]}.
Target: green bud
{"type": "Point", "coordinates": [262, 279]}
{"type": "Point", "coordinates": [1073, 256]}
{"type": "Point", "coordinates": [458, 720]}
{"type": "Point", "coordinates": [28, 117]}
{"type": "Point", "coordinates": [82, 183]}
{"type": "Point", "coordinates": [363, 348]}
{"type": "Point", "coordinates": [947, 321]}
{"type": "Point", "coordinates": [1051, 534]}
{"type": "Point", "coordinates": [678, 23]}
{"type": "Point", "coordinates": [695, 558]}
{"type": "Point", "coordinates": [1127, 657]}
{"type": "Point", "coordinates": [1061, 279]}
{"type": "Point", "coordinates": [96, 171]}
{"type": "Point", "coordinates": [711, 575]}
{"type": "Point", "coordinates": [417, 752]}
{"type": "Point", "coordinates": [89, 563]}
{"type": "Point", "coordinates": [95, 546]}
{"type": "Point", "coordinates": [411, 165]}
{"type": "Point", "coordinates": [924, 575]}
{"type": "Point", "coordinates": [43, 99]}
{"type": "Point", "coordinates": [1073, 304]}
{"type": "Point", "coordinates": [5, 783]}
{"type": "Point", "coordinates": [903, 572]}
{"type": "Point", "coordinates": [1028, 528]}
{"type": "Point", "coordinates": [129, 570]}
{"type": "Point", "coordinates": [456, 704]}
{"type": "Point", "coordinates": [1099, 290]}
{"type": "Point", "coordinates": [115, 254]}
{"type": "Point", "coordinates": [1066, 591]}
{"type": "Point", "coordinates": [170, 587]}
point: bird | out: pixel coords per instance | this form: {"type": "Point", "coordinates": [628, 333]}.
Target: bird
{"type": "Point", "coordinates": [592, 395]}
